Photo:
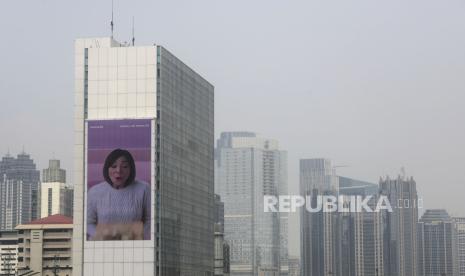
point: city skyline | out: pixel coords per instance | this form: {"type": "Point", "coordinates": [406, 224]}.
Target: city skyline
{"type": "Point", "coordinates": [395, 102]}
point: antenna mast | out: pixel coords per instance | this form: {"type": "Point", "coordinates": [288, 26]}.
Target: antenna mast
{"type": "Point", "coordinates": [111, 23]}
{"type": "Point", "coordinates": [133, 38]}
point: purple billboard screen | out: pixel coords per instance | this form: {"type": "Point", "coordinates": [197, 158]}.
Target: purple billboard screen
{"type": "Point", "coordinates": [118, 179]}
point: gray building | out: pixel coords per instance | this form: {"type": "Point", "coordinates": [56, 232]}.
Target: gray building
{"type": "Point", "coordinates": [350, 186]}
{"type": "Point", "coordinates": [460, 234]}
{"type": "Point", "coordinates": [116, 81]}
{"type": "Point", "coordinates": [54, 173]}
{"type": "Point", "coordinates": [436, 244]}
{"type": "Point", "coordinates": [221, 246]}
{"type": "Point", "coordinates": [320, 231]}
{"type": "Point", "coordinates": [248, 168]}
{"type": "Point", "coordinates": [400, 232]}
{"type": "Point", "coordinates": [19, 191]}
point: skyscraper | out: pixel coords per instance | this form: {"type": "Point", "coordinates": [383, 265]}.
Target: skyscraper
{"type": "Point", "coordinates": [460, 232]}
{"type": "Point", "coordinates": [339, 243]}
{"type": "Point", "coordinates": [437, 244]}
{"type": "Point", "coordinates": [56, 196]}
{"type": "Point", "coordinates": [400, 233]}
{"type": "Point", "coordinates": [248, 168]}
{"type": "Point", "coordinates": [147, 100]}
{"type": "Point", "coordinates": [19, 183]}
{"type": "Point", "coordinates": [54, 173]}
{"type": "Point", "coordinates": [319, 231]}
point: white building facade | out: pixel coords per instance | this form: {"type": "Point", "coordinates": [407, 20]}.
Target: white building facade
{"type": "Point", "coordinates": [56, 198]}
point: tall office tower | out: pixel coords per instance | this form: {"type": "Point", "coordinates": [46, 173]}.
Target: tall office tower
{"type": "Point", "coordinates": [320, 231]}
{"type": "Point", "coordinates": [437, 245]}
{"type": "Point", "coordinates": [145, 100]}
{"type": "Point", "coordinates": [248, 168]}
{"type": "Point", "coordinates": [54, 173]}
{"type": "Point", "coordinates": [19, 183]}
{"type": "Point", "coordinates": [56, 198]}
{"type": "Point", "coordinates": [365, 238]}
{"type": "Point", "coordinates": [400, 233]}
{"type": "Point", "coordinates": [460, 234]}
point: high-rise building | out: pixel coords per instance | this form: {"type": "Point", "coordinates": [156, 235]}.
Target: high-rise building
{"type": "Point", "coordinates": [248, 168]}
{"type": "Point", "coordinates": [54, 173]}
{"type": "Point", "coordinates": [44, 246]}
{"type": "Point", "coordinates": [437, 245]}
{"type": "Point", "coordinates": [147, 90]}
{"type": "Point", "coordinates": [320, 231]}
{"type": "Point", "coordinates": [19, 195]}
{"type": "Point", "coordinates": [56, 198]}
{"type": "Point", "coordinates": [400, 233]}
{"type": "Point", "coordinates": [339, 243]}
{"type": "Point", "coordinates": [460, 234]}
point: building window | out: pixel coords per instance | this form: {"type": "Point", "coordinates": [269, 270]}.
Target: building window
{"type": "Point", "coordinates": [49, 209]}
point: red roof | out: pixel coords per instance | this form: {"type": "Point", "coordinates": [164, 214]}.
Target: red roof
{"type": "Point", "coordinates": [53, 219]}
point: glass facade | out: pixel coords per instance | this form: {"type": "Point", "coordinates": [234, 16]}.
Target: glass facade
{"type": "Point", "coordinates": [185, 169]}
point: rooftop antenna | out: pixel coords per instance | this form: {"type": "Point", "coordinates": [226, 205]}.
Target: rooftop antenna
{"type": "Point", "coordinates": [133, 38]}
{"type": "Point", "coordinates": [111, 23]}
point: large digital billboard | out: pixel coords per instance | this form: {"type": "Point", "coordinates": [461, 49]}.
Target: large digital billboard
{"type": "Point", "coordinates": [118, 179]}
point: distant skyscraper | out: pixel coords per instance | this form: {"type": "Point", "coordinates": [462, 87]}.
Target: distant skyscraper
{"type": "Point", "coordinates": [19, 183]}
{"type": "Point", "coordinates": [248, 168]}
{"type": "Point", "coordinates": [147, 89]}
{"type": "Point", "coordinates": [54, 173]}
{"type": "Point", "coordinates": [56, 197]}
{"type": "Point", "coordinates": [366, 243]}
{"type": "Point", "coordinates": [437, 247]}
{"type": "Point", "coordinates": [319, 231]}
{"type": "Point", "coordinates": [400, 233]}
{"type": "Point", "coordinates": [460, 232]}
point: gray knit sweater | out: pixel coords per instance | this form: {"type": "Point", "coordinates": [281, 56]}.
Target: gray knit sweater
{"type": "Point", "coordinates": [111, 206]}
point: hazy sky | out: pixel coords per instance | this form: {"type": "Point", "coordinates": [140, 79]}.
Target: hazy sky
{"type": "Point", "coordinates": [375, 85]}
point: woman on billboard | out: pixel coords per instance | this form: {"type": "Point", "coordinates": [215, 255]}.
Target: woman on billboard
{"type": "Point", "coordinates": [119, 207]}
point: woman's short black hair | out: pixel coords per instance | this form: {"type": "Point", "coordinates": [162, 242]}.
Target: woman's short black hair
{"type": "Point", "coordinates": [112, 157]}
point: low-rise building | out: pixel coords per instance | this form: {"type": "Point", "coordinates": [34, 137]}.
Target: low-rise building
{"type": "Point", "coordinates": [8, 252]}
{"type": "Point", "coordinates": [44, 246]}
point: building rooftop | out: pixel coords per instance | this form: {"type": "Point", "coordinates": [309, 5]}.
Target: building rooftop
{"type": "Point", "coordinates": [435, 215]}
{"type": "Point", "coordinates": [53, 219]}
